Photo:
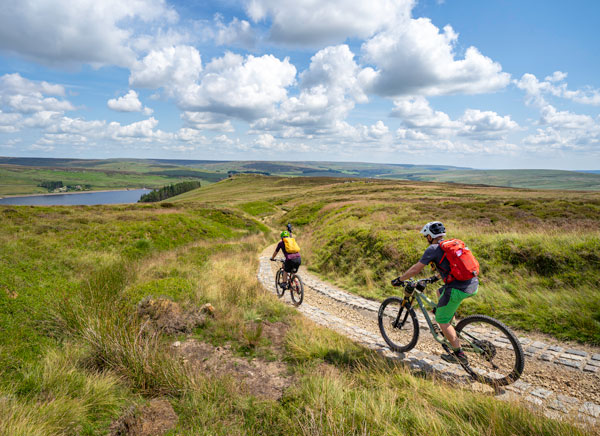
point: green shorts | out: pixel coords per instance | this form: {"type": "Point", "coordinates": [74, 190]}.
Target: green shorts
{"type": "Point", "coordinates": [448, 303]}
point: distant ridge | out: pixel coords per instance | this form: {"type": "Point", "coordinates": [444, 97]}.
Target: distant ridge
{"type": "Point", "coordinates": [214, 170]}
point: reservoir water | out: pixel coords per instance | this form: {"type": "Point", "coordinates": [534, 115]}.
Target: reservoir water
{"type": "Point", "coordinates": [84, 198]}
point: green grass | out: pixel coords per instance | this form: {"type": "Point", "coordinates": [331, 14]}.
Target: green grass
{"type": "Point", "coordinates": [539, 250]}
{"type": "Point", "coordinates": [74, 356]}
{"type": "Point", "coordinates": [258, 208]}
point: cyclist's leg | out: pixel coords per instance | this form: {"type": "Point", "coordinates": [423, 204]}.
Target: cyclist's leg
{"type": "Point", "coordinates": [448, 303]}
{"type": "Point", "coordinates": [287, 268]}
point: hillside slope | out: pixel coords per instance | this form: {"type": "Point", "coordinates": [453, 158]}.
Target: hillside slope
{"type": "Point", "coordinates": [539, 250]}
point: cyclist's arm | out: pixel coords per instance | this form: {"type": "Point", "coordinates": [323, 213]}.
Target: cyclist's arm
{"type": "Point", "coordinates": [275, 252]}
{"type": "Point", "coordinates": [412, 271]}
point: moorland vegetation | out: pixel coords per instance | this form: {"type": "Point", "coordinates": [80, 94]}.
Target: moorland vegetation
{"type": "Point", "coordinates": [75, 356]}
{"type": "Point", "coordinates": [539, 250]}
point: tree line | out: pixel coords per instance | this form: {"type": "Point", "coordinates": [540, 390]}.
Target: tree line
{"type": "Point", "coordinates": [52, 185]}
{"type": "Point", "coordinates": [168, 191]}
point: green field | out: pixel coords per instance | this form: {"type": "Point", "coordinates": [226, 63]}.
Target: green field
{"type": "Point", "coordinates": [21, 175]}
{"type": "Point", "coordinates": [76, 356]}
{"type": "Point", "coordinates": [101, 175]}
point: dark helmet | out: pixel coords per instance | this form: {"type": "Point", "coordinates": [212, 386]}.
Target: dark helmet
{"type": "Point", "coordinates": [435, 229]}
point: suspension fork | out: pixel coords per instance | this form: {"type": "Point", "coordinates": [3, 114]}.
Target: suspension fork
{"type": "Point", "coordinates": [406, 304]}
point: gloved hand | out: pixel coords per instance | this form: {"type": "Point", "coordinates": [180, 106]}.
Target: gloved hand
{"type": "Point", "coordinates": [397, 282]}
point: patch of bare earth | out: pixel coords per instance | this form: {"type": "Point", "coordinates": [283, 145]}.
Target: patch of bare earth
{"type": "Point", "coordinates": [256, 377]}
{"type": "Point", "coordinates": [168, 316]}
{"type": "Point", "coordinates": [154, 419]}
{"type": "Point", "coordinates": [275, 332]}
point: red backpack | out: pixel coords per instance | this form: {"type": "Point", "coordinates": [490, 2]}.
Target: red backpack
{"type": "Point", "coordinates": [463, 265]}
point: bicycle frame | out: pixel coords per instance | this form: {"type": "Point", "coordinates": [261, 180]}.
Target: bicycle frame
{"type": "Point", "coordinates": [421, 300]}
{"type": "Point", "coordinates": [290, 275]}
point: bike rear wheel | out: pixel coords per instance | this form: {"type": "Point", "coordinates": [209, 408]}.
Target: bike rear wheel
{"type": "Point", "coordinates": [280, 291]}
{"type": "Point", "coordinates": [398, 324]}
{"type": "Point", "coordinates": [296, 290]}
{"type": "Point", "coordinates": [495, 354]}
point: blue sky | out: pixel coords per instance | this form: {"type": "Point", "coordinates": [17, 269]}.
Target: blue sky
{"type": "Point", "coordinates": [494, 84]}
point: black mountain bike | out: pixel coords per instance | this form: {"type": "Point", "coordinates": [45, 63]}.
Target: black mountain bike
{"type": "Point", "coordinates": [293, 283]}
{"type": "Point", "coordinates": [494, 354]}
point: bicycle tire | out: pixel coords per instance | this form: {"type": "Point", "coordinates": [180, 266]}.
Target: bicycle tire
{"type": "Point", "coordinates": [296, 290]}
{"type": "Point", "coordinates": [405, 338]}
{"type": "Point", "coordinates": [280, 291]}
{"type": "Point", "coordinates": [498, 343]}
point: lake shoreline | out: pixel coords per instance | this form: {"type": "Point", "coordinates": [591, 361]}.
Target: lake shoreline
{"type": "Point", "coordinates": [77, 198]}
{"type": "Point", "coordinates": [70, 192]}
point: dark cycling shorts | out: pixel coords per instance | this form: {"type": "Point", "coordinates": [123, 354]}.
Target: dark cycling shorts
{"type": "Point", "coordinates": [292, 265]}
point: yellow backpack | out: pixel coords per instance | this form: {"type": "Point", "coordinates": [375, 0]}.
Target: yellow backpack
{"type": "Point", "coordinates": [291, 246]}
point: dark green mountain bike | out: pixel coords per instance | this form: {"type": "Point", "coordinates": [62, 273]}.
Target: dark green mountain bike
{"type": "Point", "coordinates": [294, 284]}
{"type": "Point", "coordinates": [494, 354]}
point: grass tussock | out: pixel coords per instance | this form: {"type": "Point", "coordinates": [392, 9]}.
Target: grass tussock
{"type": "Point", "coordinates": [60, 396]}
{"type": "Point", "coordinates": [229, 283]}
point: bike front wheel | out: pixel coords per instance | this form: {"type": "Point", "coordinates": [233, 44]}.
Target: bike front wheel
{"type": "Point", "coordinates": [278, 280]}
{"type": "Point", "coordinates": [398, 324]}
{"type": "Point", "coordinates": [296, 290]}
{"type": "Point", "coordinates": [495, 354]}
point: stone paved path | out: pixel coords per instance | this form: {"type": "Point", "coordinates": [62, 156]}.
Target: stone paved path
{"type": "Point", "coordinates": [358, 320]}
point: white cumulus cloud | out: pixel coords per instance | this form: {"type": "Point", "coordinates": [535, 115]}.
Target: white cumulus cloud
{"type": "Point", "coordinates": [416, 113]}
{"type": "Point", "coordinates": [486, 124]}
{"type": "Point", "coordinates": [173, 68]}
{"type": "Point", "coordinates": [415, 58]}
{"type": "Point", "coordinates": [243, 87]}
{"type": "Point", "coordinates": [554, 85]}
{"type": "Point", "coordinates": [237, 32]}
{"type": "Point", "coordinates": [317, 23]}
{"type": "Point", "coordinates": [25, 96]}
{"type": "Point", "coordinates": [127, 103]}
{"type": "Point", "coordinates": [60, 32]}
{"type": "Point", "coordinates": [207, 121]}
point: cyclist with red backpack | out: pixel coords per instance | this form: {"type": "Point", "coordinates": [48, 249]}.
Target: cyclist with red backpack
{"type": "Point", "coordinates": [291, 251]}
{"type": "Point", "coordinates": [459, 269]}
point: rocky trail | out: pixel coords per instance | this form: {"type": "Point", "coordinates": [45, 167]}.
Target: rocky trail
{"type": "Point", "coordinates": [562, 380]}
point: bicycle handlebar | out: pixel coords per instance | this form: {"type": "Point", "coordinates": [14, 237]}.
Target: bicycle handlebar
{"type": "Point", "coordinates": [420, 284]}
{"type": "Point", "coordinates": [278, 260]}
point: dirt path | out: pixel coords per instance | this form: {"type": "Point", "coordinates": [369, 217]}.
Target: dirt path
{"type": "Point", "coordinates": [562, 379]}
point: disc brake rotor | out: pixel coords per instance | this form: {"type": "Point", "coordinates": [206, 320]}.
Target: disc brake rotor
{"type": "Point", "coordinates": [489, 349]}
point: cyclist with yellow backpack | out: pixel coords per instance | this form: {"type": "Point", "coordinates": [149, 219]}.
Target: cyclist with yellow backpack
{"type": "Point", "coordinates": [291, 251]}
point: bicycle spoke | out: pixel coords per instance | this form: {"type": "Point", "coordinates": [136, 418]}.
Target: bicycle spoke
{"type": "Point", "coordinates": [494, 354]}
{"type": "Point", "coordinates": [398, 325]}
{"type": "Point", "coordinates": [278, 279]}
{"type": "Point", "coordinates": [296, 290]}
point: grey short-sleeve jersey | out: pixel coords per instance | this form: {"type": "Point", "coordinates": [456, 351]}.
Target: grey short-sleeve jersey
{"type": "Point", "coordinates": [434, 254]}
